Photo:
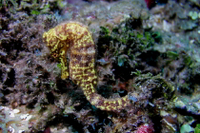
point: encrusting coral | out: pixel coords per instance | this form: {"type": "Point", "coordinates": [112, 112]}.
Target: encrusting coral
{"type": "Point", "coordinates": [75, 38]}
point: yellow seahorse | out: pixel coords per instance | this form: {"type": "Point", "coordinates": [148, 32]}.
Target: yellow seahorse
{"type": "Point", "coordinates": [75, 38]}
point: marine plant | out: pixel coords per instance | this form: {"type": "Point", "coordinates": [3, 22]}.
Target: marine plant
{"type": "Point", "coordinates": [4, 3]}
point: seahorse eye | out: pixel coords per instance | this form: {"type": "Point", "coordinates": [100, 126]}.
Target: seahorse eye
{"type": "Point", "coordinates": [54, 54]}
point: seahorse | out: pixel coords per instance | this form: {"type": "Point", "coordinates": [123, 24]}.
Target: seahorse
{"type": "Point", "coordinates": [74, 39]}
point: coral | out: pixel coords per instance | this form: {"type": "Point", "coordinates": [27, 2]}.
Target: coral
{"type": "Point", "coordinates": [76, 38]}
{"type": "Point", "coordinates": [150, 3]}
{"type": "Point", "coordinates": [145, 129]}
{"type": "Point", "coordinates": [13, 121]}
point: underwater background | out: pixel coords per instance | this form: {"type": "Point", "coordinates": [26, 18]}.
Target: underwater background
{"type": "Point", "coordinates": [145, 50]}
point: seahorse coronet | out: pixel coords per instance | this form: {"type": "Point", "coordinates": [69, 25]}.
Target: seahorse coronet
{"type": "Point", "coordinates": [75, 38]}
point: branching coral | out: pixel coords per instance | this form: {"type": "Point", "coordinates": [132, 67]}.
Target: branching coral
{"type": "Point", "coordinates": [76, 38]}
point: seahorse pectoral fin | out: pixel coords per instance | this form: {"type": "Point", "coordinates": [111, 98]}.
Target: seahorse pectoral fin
{"type": "Point", "coordinates": [64, 73]}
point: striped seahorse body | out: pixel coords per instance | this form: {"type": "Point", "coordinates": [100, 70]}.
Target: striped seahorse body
{"type": "Point", "coordinates": [75, 38]}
